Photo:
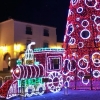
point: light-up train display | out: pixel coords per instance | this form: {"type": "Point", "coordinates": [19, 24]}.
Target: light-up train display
{"type": "Point", "coordinates": [40, 72]}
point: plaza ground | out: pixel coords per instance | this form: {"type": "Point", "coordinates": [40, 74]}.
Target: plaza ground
{"type": "Point", "coordinates": [70, 95]}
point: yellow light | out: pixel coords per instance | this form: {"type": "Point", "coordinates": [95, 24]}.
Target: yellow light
{"type": "Point", "coordinates": [4, 48]}
{"type": "Point", "coordinates": [58, 47]}
{"type": "Point", "coordinates": [17, 47]}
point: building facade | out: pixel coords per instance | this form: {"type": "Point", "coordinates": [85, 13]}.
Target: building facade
{"type": "Point", "coordinates": [16, 35]}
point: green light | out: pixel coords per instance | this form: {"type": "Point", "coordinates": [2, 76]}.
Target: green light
{"type": "Point", "coordinates": [48, 49]}
{"type": "Point", "coordinates": [30, 81]}
{"type": "Point", "coordinates": [19, 62]}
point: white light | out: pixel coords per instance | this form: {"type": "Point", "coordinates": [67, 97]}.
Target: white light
{"type": "Point", "coordinates": [82, 32]}
{"type": "Point", "coordinates": [97, 7]}
{"type": "Point", "coordinates": [97, 17]}
{"type": "Point", "coordinates": [85, 82]}
{"type": "Point", "coordinates": [72, 41]}
{"type": "Point", "coordinates": [32, 92]}
{"type": "Point", "coordinates": [82, 72]}
{"type": "Point", "coordinates": [55, 88]}
{"type": "Point", "coordinates": [90, 1]}
{"type": "Point", "coordinates": [79, 9]}
{"type": "Point", "coordinates": [71, 25]}
{"type": "Point", "coordinates": [17, 70]}
{"type": "Point", "coordinates": [40, 86]}
{"type": "Point", "coordinates": [98, 27]}
{"type": "Point", "coordinates": [11, 70]}
{"type": "Point", "coordinates": [77, 19]}
{"type": "Point", "coordinates": [29, 46]}
{"type": "Point", "coordinates": [96, 59]}
{"type": "Point", "coordinates": [85, 22]}
{"type": "Point", "coordinates": [82, 44]}
{"type": "Point", "coordinates": [96, 72]}
{"type": "Point", "coordinates": [81, 64]}
{"type": "Point", "coordinates": [74, 2]}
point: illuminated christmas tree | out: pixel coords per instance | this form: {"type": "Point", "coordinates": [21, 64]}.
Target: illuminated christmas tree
{"type": "Point", "coordinates": [82, 43]}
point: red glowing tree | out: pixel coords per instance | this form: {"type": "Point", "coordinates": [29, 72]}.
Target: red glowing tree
{"type": "Point", "coordinates": [82, 44]}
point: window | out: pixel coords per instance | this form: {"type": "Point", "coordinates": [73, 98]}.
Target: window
{"type": "Point", "coordinates": [46, 32]}
{"type": "Point", "coordinates": [28, 30]}
{"type": "Point", "coordinates": [45, 45]}
{"type": "Point", "coordinates": [54, 64]}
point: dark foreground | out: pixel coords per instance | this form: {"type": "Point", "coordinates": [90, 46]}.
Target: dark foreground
{"type": "Point", "coordinates": [71, 95]}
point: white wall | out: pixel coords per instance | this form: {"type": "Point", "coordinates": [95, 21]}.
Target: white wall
{"type": "Point", "coordinates": [6, 40]}
{"type": "Point", "coordinates": [14, 32]}
{"type": "Point", "coordinates": [37, 36]}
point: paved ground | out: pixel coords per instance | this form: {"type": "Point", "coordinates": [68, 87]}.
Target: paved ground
{"type": "Point", "coordinates": [72, 95]}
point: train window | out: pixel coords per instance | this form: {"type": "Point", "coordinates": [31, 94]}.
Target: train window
{"type": "Point", "coordinates": [54, 64]}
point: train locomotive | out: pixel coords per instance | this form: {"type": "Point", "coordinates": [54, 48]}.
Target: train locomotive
{"type": "Point", "coordinates": [40, 72]}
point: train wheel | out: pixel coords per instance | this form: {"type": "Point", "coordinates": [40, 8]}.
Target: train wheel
{"type": "Point", "coordinates": [55, 81]}
{"type": "Point", "coordinates": [29, 91]}
{"type": "Point", "coordinates": [40, 89]}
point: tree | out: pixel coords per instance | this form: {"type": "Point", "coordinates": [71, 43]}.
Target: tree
{"type": "Point", "coordinates": [82, 40]}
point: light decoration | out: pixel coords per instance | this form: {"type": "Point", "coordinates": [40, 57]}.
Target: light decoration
{"type": "Point", "coordinates": [11, 70]}
{"type": "Point", "coordinates": [68, 66]}
{"type": "Point", "coordinates": [40, 89]}
{"type": "Point", "coordinates": [74, 2]}
{"type": "Point", "coordinates": [80, 9]}
{"type": "Point", "coordinates": [97, 7]}
{"type": "Point", "coordinates": [29, 91]}
{"type": "Point", "coordinates": [28, 71]}
{"type": "Point", "coordinates": [72, 68]}
{"type": "Point", "coordinates": [64, 37]}
{"type": "Point", "coordinates": [80, 44]}
{"type": "Point", "coordinates": [83, 24]}
{"type": "Point", "coordinates": [77, 19]}
{"type": "Point", "coordinates": [49, 62]}
{"type": "Point", "coordinates": [96, 20]}
{"type": "Point", "coordinates": [19, 62]}
{"type": "Point", "coordinates": [29, 57]}
{"type": "Point", "coordinates": [96, 59]}
{"type": "Point", "coordinates": [88, 70]}
{"type": "Point", "coordinates": [66, 84]}
{"type": "Point", "coordinates": [67, 81]}
{"type": "Point", "coordinates": [81, 74]}
{"type": "Point", "coordinates": [29, 82]}
{"type": "Point", "coordinates": [90, 3]}
{"type": "Point", "coordinates": [98, 27]}
{"type": "Point", "coordinates": [71, 41]}
{"type": "Point", "coordinates": [55, 78]}
{"type": "Point", "coordinates": [96, 73]}
{"type": "Point", "coordinates": [85, 81]}
{"type": "Point", "coordinates": [13, 90]}
{"type": "Point", "coordinates": [33, 86]}
{"type": "Point", "coordinates": [85, 34]}
{"type": "Point", "coordinates": [49, 50]}
{"type": "Point", "coordinates": [70, 29]}
{"type": "Point", "coordinates": [17, 70]}
{"type": "Point", "coordinates": [83, 63]}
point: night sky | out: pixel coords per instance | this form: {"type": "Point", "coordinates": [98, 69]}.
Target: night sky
{"type": "Point", "coordinates": [43, 12]}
